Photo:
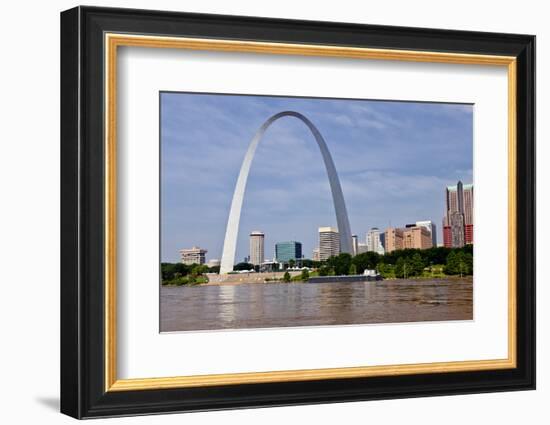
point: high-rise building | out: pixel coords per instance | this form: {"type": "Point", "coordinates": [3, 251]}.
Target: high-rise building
{"type": "Point", "coordinates": [193, 255]}
{"type": "Point", "coordinates": [458, 226]}
{"type": "Point", "coordinates": [430, 226]}
{"type": "Point", "coordinates": [315, 254]}
{"type": "Point", "coordinates": [354, 245]}
{"type": "Point", "coordinates": [374, 241]}
{"type": "Point", "coordinates": [256, 248]}
{"type": "Point", "coordinates": [329, 242]}
{"type": "Point", "coordinates": [286, 251]}
{"type": "Point", "coordinates": [417, 237]}
{"type": "Point", "coordinates": [394, 239]}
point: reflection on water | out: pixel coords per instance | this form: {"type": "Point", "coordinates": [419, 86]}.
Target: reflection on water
{"type": "Point", "coordinates": [313, 304]}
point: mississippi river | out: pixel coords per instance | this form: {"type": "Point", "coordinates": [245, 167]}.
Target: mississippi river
{"type": "Point", "coordinates": [207, 307]}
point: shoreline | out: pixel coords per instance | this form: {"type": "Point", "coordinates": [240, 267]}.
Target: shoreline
{"type": "Point", "coordinates": [446, 279]}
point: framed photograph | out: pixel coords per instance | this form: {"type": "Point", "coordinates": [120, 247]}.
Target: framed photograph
{"type": "Point", "coordinates": [261, 212]}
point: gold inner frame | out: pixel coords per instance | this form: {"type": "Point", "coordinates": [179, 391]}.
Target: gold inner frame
{"type": "Point", "coordinates": [113, 41]}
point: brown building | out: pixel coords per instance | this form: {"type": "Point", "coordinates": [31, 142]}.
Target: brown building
{"type": "Point", "coordinates": [394, 239]}
{"type": "Point", "coordinates": [417, 237]}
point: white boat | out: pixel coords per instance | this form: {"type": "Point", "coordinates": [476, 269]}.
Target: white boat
{"type": "Point", "coordinates": [372, 274]}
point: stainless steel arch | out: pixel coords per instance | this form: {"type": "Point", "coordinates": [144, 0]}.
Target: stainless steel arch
{"type": "Point", "coordinates": [232, 230]}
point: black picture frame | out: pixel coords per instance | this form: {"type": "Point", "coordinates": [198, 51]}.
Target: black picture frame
{"type": "Point", "coordinates": [83, 392]}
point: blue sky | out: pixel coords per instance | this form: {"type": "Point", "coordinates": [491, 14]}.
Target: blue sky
{"type": "Point", "coordinates": [394, 160]}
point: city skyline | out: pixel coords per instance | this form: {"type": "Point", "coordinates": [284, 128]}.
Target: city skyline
{"type": "Point", "coordinates": [384, 153]}
{"type": "Point", "coordinates": [420, 237]}
{"type": "Point", "coordinates": [419, 234]}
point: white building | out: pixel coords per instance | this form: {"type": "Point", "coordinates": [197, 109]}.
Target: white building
{"type": "Point", "coordinates": [374, 241]}
{"type": "Point", "coordinates": [193, 255]}
{"type": "Point", "coordinates": [329, 242]}
{"type": "Point", "coordinates": [257, 247]}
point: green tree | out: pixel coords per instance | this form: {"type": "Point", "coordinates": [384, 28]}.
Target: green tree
{"type": "Point", "coordinates": [286, 277]}
{"type": "Point", "coordinates": [305, 275]}
{"type": "Point", "coordinates": [468, 249]}
{"type": "Point", "coordinates": [340, 263]}
{"type": "Point", "coordinates": [464, 263]}
{"type": "Point", "coordinates": [184, 269]}
{"type": "Point", "coordinates": [400, 268]}
{"type": "Point", "coordinates": [469, 262]}
{"type": "Point", "coordinates": [459, 263]}
{"type": "Point", "coordinates": [325, 270]}
{"type": "Point", "coordinates": [214, 269]}
{"type": "Point", "coordinates": [306, 262]}
{"type": "Point", "coordinates": [291, 263]}
{"type": "Point", "coordinates": [168, 270]}
{"type": "Point", "coordinates": [417, 265]}
{"type": "Point", "coordinates": [315, 264]}
{"type": "Point", "coordinates": [366, 260]}
{"type": "Point", "coordinates": [352, 269]}
{"type": "Point", "coordinates": [199, 269]}
{"type": "Point", "coordinates": [405, 267]}
{"type": "Point", "coordinates": [451, 265]}
{"type": "Point", "coordinates": [435, 255]}
{"type": "Point", "coordinates": [386, 270]}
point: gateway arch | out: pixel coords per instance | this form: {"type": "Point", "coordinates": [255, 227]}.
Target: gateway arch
{"type": "Point", "coordinates": [232, 230]}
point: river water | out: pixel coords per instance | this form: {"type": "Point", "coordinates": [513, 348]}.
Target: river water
{"type": "Point", "coordinates": [267, 305]}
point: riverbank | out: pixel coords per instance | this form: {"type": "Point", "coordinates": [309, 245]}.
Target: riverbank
{"type": "Point", "coordinates": [244, 278]}
{"type": "Point", "coordinates": [276, 277]}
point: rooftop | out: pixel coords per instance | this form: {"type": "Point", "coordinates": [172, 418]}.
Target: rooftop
{"type": "Point", "coordinates": [193, 249]}
{"type": "Point", "coordinates": [452, 188]}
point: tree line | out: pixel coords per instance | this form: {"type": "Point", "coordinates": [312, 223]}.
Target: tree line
{"type": "Point", "coordinates": [403, 263]}
{"type": "Point", "coordinates": [184, 274]}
